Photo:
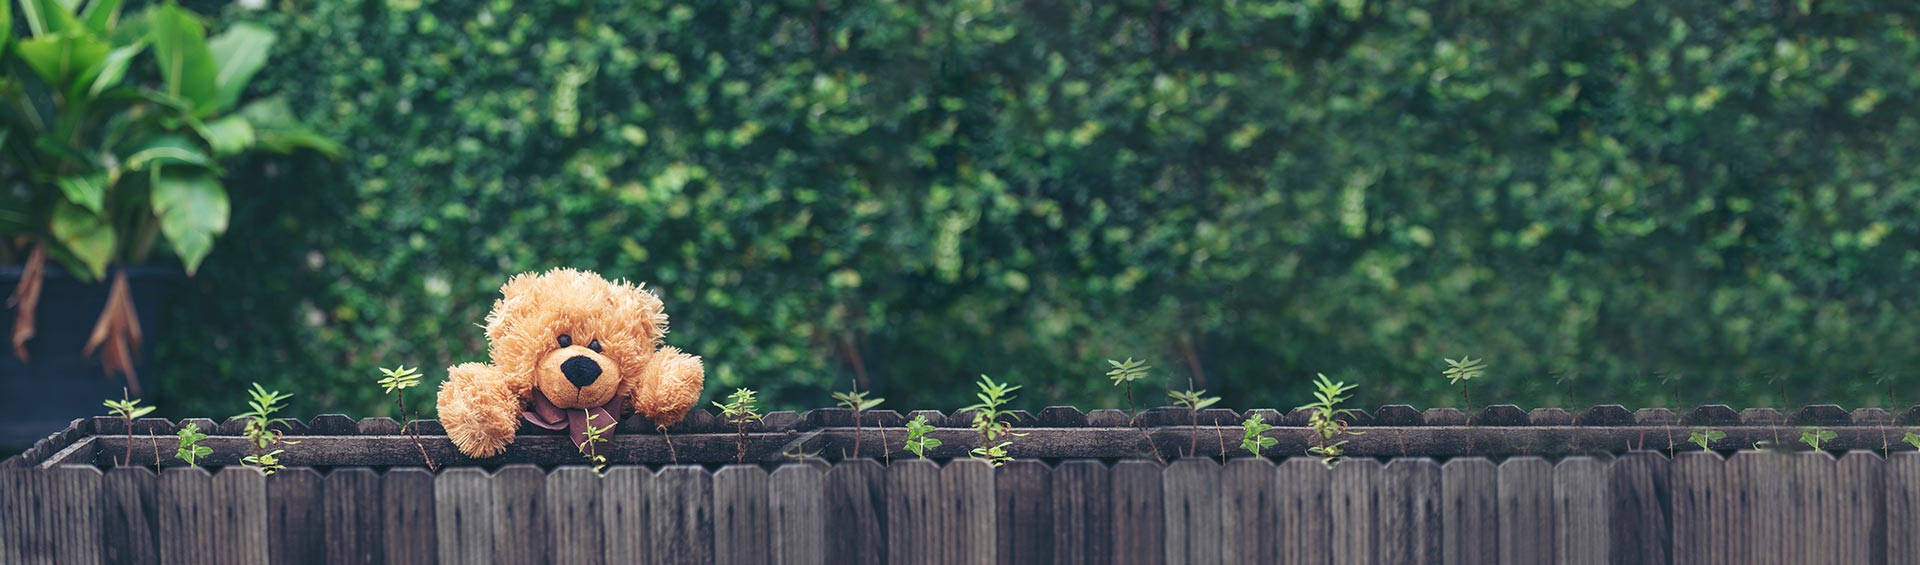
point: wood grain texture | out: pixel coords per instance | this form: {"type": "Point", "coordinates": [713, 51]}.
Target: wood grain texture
{"type": "Point", "coordinates": [1409, 510]}
{"type": "Point", "coordinates": [1470, 511]}
{"type": "Point", "coordinates": [1638, 489]}
{"type": "Point", "coordinates": [917, 530]}
{"type": "Point", "coordinates": [1082, 513]}
{"type": "Point", "coordinates": [680, 513]}
{"type": "Point", "coordinates": [797, 514]}
{"type": "Point", "coordinates": [129, 513]}
{"type": "Point", "coordinates": [575, 523]}
{"type": "Point", "coordinates": [625, 528]}
{"type": "Point", "coordinates": [1696, 477]}
{"type": "Point", "coordinates": [1860, 509]}
{"type": "Point", "coordinates": [741, 529]}
{"type": "Point", "coordinates": [408, 518]}
{"type": "Point", "coordinates": [1902, 480]}
{"type": "Point", "coordinates": [350, 496]}
{"type": "Point", "coordinates": [1761, 479]}
{"type": "Point", "coordinates": [1253, 501]}
{"type": "Point", "coordinates": [1191, 488]}
{"type": "Point", "coordinates": [239, 535]}
{"type": "Point", "coordinates": [1139, 512]}
{"type": "Point", "coordinates": [1301, 503]}
{"type": "Point", "coordinates": [966, 487]}
{"type": "Point", "coordinates": [463, 516]}
{"type": "Point", "coordinates": [1352, 509]}
{"type": "Point", "coordinates": [75, 502]}
{"type": "Point", "coordinates": [1582, 516]}
{"type": "Point", "coordinates": [1525, 500]}
{"type": "Point", "coordinates": [1023, 512]}
{"type": "Point", "coordinates": [519, 517]}
{"type": "Point", "coordinates": [296, 531]}
{"type": "Point", "coordinates": [857, 505]}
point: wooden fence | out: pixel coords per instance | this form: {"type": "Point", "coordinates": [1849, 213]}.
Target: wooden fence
{"type": "Point", "coordinates": [1641, 508]}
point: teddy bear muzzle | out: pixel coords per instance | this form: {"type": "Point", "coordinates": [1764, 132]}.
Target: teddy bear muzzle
{"type": "Point", "coordinates": [575, 377]}
{"type": "Point", "coordinates": [580, 370]}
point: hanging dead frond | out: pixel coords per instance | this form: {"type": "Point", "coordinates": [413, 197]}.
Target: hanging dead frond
{"type": "Point", "coordinates": [26, 298]}
{"type": "Point", "coordinates": [117, 333]}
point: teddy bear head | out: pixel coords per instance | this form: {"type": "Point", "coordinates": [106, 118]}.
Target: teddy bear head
{"type": "Point", "coordinates": [578, 339]}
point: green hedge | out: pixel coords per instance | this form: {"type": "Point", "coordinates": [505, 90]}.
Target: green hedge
{"type": "Point", "coordinates": [1641, 202]}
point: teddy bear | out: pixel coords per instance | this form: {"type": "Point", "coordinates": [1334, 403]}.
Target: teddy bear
{"type": "Point", "coordinates": [569, 349]}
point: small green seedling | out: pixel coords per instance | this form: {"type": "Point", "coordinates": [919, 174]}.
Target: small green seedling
{"type": "Point", "coordinates": [1323, 418]}
{"type": "Point", "coordinates": [1252, 434]}
{"type": "Point", "coordinates": [917, 440]}
{"type": "Point", "coordinates": [1816, 436]}
{"type": "Point", "coordinates": [1124, 373]}
{"type": "Point", "coordinates": [590, 448]}
{"type": "Point", "coordinates": [1704, 436]}
{"type": "Point", "coordinates": [739, 410]}
{"type": "Point", "coordinates": [989, 418]}
{"type": "Point", "coordinates": [1459, 373]}
{"type": "Point", "coordinates": [1194, 401]}
{"type": "Point", "coordinates": [858, 402]}
{"type": "Point", "coordinates": [190, 449]}
{"type": "Point", "coordinates": [128, 410]}
{"type": "Point", "coordinates": [395, 382]}
{"type": "Point", "coordinates": [1912, 439]}
{"type": "Point", "coordinates": [262, 404]}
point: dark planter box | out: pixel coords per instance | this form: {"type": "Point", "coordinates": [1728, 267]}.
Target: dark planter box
{"type": "Point", "coordinates": [1084, 491]}
{"type": "Point", "coordinates": [60, 384]}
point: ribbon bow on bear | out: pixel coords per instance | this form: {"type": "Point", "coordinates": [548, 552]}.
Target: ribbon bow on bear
{"type": "Point", "coordinates": [546, 415]}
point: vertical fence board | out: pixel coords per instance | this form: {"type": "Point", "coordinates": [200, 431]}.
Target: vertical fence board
{"type": "Point", "coordinates": [1581, 515]}
{"type": "Point", "coordinates": [1469, 511]}
{"type": "Point", "coordinates": [1805, 521]}
{"type": "Point", "coordinates": [1409, 510]}
{"type": "Point", "coordinates": [1696, 475]}
{"type": "Point", "coordinates": [1252, 495]}
{"type": "Point", "coordinates": [185, 515]}
{"type": "Point", "coordinates": [1638, 486]}
{"type": "Point", "coordinates": [1862, 503]}
{"type": "Point", "coordinates": [296, 531]}
{"type": "Point", "coordinates": [15, 514]}
{"type": "Point", "coordinates": [1903, 507]}
{"type": "Point", "coordinates": [519, 519]}
{"type": "Point", "coordinates": [1302, 507]}
{"type": "Point", "coordinates": [916, 529]}
{"type": "Point", "coordinates": [623, 510]}
{"type": "Point", "coordinates": [1761, 478]}
{"type": "Point", "coordinates": [856, 500]}
{"type": "Point", "coordinates": [797, 514]}
{"type": "Point", "coordinates": [407, 516]}
{"type": "Point", "coordinates": [1023, 503]}
{"type": "Point", "coordinates": [679, 508]}
{"type": "Point", "coordinates": [1139, 512]}
{"type": "Point", "coordinates": [575, 523]}
{"type": "Point", "coordinates": [1526, 511]}
{"type": "Point", "coordinates": [967, 492]}
{"type": "Point", "coordinates": [1082, 513]}
{"type": "Point", "coordinates": [350, 496]}
{"type": "Point", "coordinates": [240, 524]}
{"type": "Point", "coordinates": [129, 516]}
{"type": "Point", "coordinates": [1191, 488]}
{"type": "Point", "coordinates": [1353, 511]}
{"type": "Point", "coordinates": [1732, 542]}
{"type": "Point", "coordinates": [741, 529]}
{"type": "Point", "coordinates": [33, 525]}
{"type": "Point", "coordinates": [77, 513]}
{"type": "Point", "coordinates": [463, 516]}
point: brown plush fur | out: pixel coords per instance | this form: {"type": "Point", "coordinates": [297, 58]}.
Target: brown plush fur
{"type": "Point", "coordinates": [480, 404]}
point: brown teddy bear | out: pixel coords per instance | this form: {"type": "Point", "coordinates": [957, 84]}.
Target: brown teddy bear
{"type": "Point", "coordinates": [567, 346]}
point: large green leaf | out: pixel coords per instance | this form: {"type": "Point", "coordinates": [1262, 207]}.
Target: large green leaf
{"type": "Point", "coordinates": [180, 47]}
{"type": "Point", "coordinates": [238, 54]}
{"type": "Point", "coordinates": [89, 191]}
{"type": "Point", "coordinates": [276, 129]}
{"type": "Point", "coordinates": [229, 135]}
{"type": "Point", "coordinates": [192, 207]}
{"type": "Point", "coordinates": [85, 236]}
{"type": "Point", "coordinates": [64, 59]}
{"type": "Point", "coordinates": [47, 17]}
{"type": "Point", "coordinates": [167, 150]}
{"type": "Point", "coordinates": [110, 70]}
{"type": "Point", "coordinates": [100, 15]}
{"type": "Point", "coordinates": [6, 26]}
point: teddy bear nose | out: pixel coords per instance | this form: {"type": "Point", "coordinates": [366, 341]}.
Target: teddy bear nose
{"type": "Point", "coordinates": [580, 370]}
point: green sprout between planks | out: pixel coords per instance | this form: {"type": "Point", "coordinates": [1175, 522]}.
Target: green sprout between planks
{"type": "Point", "coordinates": [857, 402]}
{"type": "Point", "coordinates": [739, 410]}
{"type": "Point", "coordinates": [990, 418]}
{"type": "Point", "coordinates": [1324, 419]}
{"type": "Point", "coordinates": [395, 382]}
{"type": "Point", "coordinates": [262, 404]}
{"type": "Point", "coordinates": [917, 440]}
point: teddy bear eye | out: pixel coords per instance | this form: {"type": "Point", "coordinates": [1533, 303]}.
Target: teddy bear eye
{"type": "Point", "coordinates": [566, 340]}
{"type": "Point", "coordinates": [595, 346]}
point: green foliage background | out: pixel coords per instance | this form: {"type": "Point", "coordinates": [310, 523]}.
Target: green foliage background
{"type": "Point", "coordinates": [1652, 202]}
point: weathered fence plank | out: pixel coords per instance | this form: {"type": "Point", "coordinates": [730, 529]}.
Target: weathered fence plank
{"type": "Point", "coordinates": [916, 523]}
{"type": "Point", "coordinates": [625, 528]}
{"type": "Point", "coordinates": [463, 516]}
{"type": "Point", "coordinates": [1409, 511]}
{"type": "Point", "coordinates": [407, 516]}
{"type": "Point", "coordinates": [1252, 500]}
{"type": "Point", "coordinates": [1761, 479]}
{"type": "Point", "coordinates": [1696, 477]}
{"type": "Point", "coordinates": [240, 524]}
{"type": "Point", "coordinates": [1861, 506]}
{"type": "Point", "coordinates": [1300, 503]}
{"type": "Point", "coordinates": [1469, 511]}
{"type": "Point", "coordinates": [350, 496]}
{"type": "Point", "coordinates": [1139, 512]}
{"type": "Point", "coordinates": [857, 504]}
{"type": "Point", "coordinates": [296, 530]}
{"type": "Point", "coordinates": [1353, 512]}
{"type": "Point", "coordinates": [128, 514]}
{"type": "Point", "coordinates": [76, 513]}
{"type": "Point", "coordinates": [1023, 508]}
{"type": "Point", "coordinates": [16, 511]}
{"type": "Point", "coordinates": [575, 523]}
{"type": "Point", "coordinates": [797, 514]}
{"type": "Point", "coordinates": [1638, 487]}
{"type": "Point", "coordinates": [1082, 513]}
{"type": "Point", "coordinates": [1581, 512]}
{"type": "Point", "coordinates": [742, 532]}
{"type": "Point", "coordinates": [519, 519]}
{"type": "Point", "coordinates": [1903, 507]}
{"type": "Point", "coordinates": [1192, 492]}
{"type": "Point", "coordinates": [1526, 511]}
{"type": "Point", "coordinates": [679, 509]}
{"type": "Point", "coordinates": [966, 487]}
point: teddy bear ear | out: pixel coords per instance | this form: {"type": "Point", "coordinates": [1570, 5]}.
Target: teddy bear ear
{"type": "Point", "coordinates": [511, 294]}
{"type": "Point", "coordinates": [645, 304]}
